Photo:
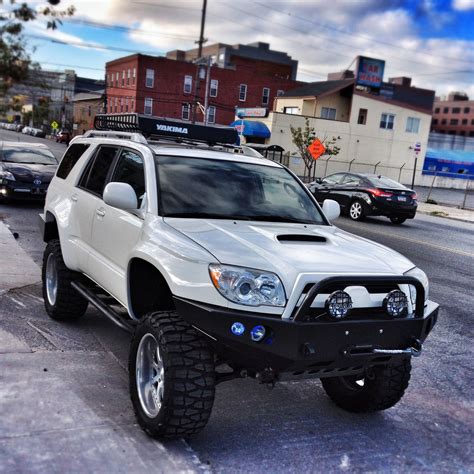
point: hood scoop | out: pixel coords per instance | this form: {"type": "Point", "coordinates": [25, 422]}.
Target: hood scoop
{"type": "Point", "coordinates": [300, 238]}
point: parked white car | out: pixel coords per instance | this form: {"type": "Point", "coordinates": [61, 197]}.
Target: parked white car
{"type": "Point", "coordinates": [223, 265]}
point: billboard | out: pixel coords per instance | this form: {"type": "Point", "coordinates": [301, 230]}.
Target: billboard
{"type": "Point", "coordinates": [369, 72]}
{"type": "Point", "coordinates": [251, 112]}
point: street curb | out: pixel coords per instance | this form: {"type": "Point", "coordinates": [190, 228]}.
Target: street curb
{"type": "Point", "coordinates": [426, 213]}
{"type": "Point", "coordinates": [20, 269]}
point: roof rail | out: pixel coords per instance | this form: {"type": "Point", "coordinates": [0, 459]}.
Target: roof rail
{"type": "Point", "coordinates": [161, 128]}
{"type": "Point", "coordinates": [134, 137]}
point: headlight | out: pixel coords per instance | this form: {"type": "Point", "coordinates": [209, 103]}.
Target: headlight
{"type": "Point", "coordinates": [247, 286]}
{"type": "Point", "coordinates": [6, 175]}
{"type": "Point", "coordinates": [419, 275]}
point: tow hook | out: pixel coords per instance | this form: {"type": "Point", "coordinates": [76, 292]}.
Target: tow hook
{"type": "Point", "coordinates": [414, 350]}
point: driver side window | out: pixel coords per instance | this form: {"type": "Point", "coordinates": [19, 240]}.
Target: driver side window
{"type": "Point", "coordinates": [333, 179]}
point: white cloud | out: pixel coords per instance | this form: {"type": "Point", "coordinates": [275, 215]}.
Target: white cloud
{"type": "Point", "coordinates": [463, 4]}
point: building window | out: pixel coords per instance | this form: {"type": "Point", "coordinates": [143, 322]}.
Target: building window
{"type": "Point", "coordinates": [134, 75]}
{"type": "Point", "coordinates": [188, 84]}
{"type": "Point", "coordinates": [435, 121]}
{"type": "Point", "coordinates": [280, 92]}
{"type": "Point", "coordinates": [456, 110]}
{"type": "Point", "coordinates": [443, 122]}
{"type": "Point", "coordinates": [185, 112]}
{"type": "Point", "coordinates": [121, 104]}
{"type": "Point", "coordinates": [109, 110]}
{"type": "Point", "coordinates": [116, 105]}
{"type": "Point", "coordinates": [446, 110]}
{"type": "Point", "coordinates": [453, 122]}
{"type": "Point", "coordinates": [462, 133]}
{"type": "Point", "coordinates": [243, 92]}
{"type": "Point", "coordinates": [464, 121]}
{"type": "Point", "coordinates": [123, 77]}
{"type": "Point", "coordinates": [148, 109]}
{"type": "Point", "coordinates": [387, 121]}
{"type": "Point", "coordinates": [437, 110]}
{"type": "Point", "coordinates": [150, 78]}
{"type": "Point", "coordinates": [362, 119]}
{"type": "Point", "coordinates": [116, 79]}
{"type": "Point", "coordinates": [328, 113]}
{"type": "Point", "coordinates": [126, 103]}
{"type": "Point", "coordinates": [467, 110]}
{"type": "Point", "coordinates": [132, 104]}
{"type": "Point", "coordinates": [413, 125]}
{"type": "Point", "coordinates": [211, 114]}
{"type": "Point", "coordinates": [214, 87]}
{"type": "Point", "coordinates": [108, 79]}
{"type": "Point", "coordinates": [265, 96]}
{"type": "Point", "coordinates": [128, 77]}
{"type": "Point", "coordinates": [89, 110]}
{"type": "Point", "coordinates": [471, 133]}
{"type": "Point", "coordinates": [291, 110]}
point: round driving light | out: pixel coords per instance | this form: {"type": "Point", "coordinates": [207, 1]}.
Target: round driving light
{"type": "Point", "coordinates": [237, 329]}
{"type": "Point", "coordinates": [257, 333]}
{"type": "Point", "coordinates": [396, 303]}
{"type": "Point", "coordinates": [338, 304]}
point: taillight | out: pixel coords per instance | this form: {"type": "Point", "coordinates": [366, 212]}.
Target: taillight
{"type": "Point", "coordinates": [413, 196]}
{"type": "Point", "coordinates": [380, 193]}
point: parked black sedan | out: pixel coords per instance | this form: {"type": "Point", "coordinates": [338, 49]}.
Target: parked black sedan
{"type": "Point", "coordinates": [26, 170]}
{"type": "Point", "coordinates": [363, 194]}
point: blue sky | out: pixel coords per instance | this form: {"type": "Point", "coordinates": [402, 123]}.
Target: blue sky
{"type": "Point", "coordinates": [429, 40]}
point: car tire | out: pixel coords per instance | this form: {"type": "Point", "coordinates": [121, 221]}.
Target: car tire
{"type": "Point", "coordinates": [379, 388]}
{"type": "Point", "coordinates": [61, 300]}
{"type": "Point", "coordinates": [167, 351]}
{"type": "Point", "coordinates": [356, 210]}
{"type": "Point", "coordinates": [397, 220]}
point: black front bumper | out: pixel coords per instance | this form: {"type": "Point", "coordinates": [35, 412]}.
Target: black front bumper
{"type": "Point", "coordinates": [23, 191]}
{"type": "Point", "coordinates": [316, 348]}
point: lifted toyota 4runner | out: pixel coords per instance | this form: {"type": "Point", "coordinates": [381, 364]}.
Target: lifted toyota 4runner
{"type": "Point", "coordinates": [223, 265]}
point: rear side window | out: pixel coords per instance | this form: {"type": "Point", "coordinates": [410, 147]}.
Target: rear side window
{"type": "Point", "coordinates": [97, 170]}
{"type": "Point", "coordinates": [130, 170]}
{"type": "Point", "coordinates": [73, 153]}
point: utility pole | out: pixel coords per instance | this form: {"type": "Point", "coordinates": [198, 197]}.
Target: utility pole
{"type": "Point", "coordinates": [202, 40]}
{"type": "Point", "coordinates": [206, 94]}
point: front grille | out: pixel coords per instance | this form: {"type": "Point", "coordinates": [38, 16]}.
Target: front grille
{"type": "Point", "coordinates": [370, 287]}
{"type": "Point", "coordinates": [355, 314]}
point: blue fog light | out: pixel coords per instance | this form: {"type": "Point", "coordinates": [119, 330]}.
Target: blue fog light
{"type": "Point", "coordinates": [237, 329]}
{"type": "Point", "coordinates": [257, 333]}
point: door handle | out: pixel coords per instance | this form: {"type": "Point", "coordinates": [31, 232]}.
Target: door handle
{"type": "Point", "coordinates": [74, 197]}
{"type": "Point", "coordinates": [100, 212]}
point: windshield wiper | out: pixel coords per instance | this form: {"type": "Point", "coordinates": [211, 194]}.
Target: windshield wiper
{"type": "Point", "coordinates": [208, 215]}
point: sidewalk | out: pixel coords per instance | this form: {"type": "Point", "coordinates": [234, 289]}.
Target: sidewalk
{"type": "Point", "coordinates": [64, 398]}
{"type": "Point", "coordinates": [447, 212]}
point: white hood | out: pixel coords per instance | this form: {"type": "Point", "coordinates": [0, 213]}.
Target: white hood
{"type": "Point", "coordinates": [255, 245]}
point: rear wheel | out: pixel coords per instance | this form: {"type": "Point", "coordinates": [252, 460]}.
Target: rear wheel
{"type": "Point", "coordinates": [356, 210]}
{"type": "Point", "coordinates": [172, 376]}
{"type": "Point", "coordinates": [397, 220]}
{"type": "Point", "coordinates": [61, 300]}
{"type": "Point", "coordinates": [378, 388]}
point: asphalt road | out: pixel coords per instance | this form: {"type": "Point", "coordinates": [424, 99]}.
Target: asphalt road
{"type": "Point", "coordinates": [294, 427]}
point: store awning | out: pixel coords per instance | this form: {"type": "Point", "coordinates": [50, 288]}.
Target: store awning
{"type": "Point", "coordinates": [251, 128]}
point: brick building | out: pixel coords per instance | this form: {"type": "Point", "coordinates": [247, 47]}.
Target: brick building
{"type": "Point", "coordinates": [86, 105]}
{"type": "Point", "coordinates": [454, 116]}
{"type": "Point", "coordinates": [240, 76]}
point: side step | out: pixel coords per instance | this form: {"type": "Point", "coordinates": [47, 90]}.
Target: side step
{"type": "Point", "coordinates": [97, 300]}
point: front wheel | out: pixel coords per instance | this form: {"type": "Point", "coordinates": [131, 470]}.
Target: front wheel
{"type": "Point", "coordinates": [172, 376]}
{"type": "Point", "coordinates": [397, 220]}
{"type": "Point", "coordinates": [378, 388]}
{"type": "Point", "coordinates": [356, 211]}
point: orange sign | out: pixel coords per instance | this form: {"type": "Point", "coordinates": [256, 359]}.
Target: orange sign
{"type": "Point", "coordinates": [316, 149]}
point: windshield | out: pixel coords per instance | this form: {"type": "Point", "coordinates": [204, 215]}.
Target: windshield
{"type": "Point", "coordinates": [36, 156]}
{"type": "Point", "coordinates": [383, 182]}
{"type": "Point", "coordinates": [195, 187]}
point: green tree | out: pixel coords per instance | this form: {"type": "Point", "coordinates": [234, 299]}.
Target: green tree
{"type": "Point", "coordinates": [15, 60]}
{"type": "Point", "coordinates": [303, 137]}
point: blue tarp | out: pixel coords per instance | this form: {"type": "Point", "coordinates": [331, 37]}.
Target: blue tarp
{"type": "Point", "coordinates": [449, 163]}
{"type": "Point", "coordinates": [251, 128]}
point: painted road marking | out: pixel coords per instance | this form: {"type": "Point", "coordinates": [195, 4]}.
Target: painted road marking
{"type": "Point", "coordinates": [422, 242]}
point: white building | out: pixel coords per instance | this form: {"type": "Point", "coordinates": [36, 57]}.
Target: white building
{"type": "Point", "coordinates": [374, 130]}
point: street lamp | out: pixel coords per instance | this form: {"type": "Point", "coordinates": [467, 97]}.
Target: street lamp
{"type": "Point", "coordinates": [241, 116]}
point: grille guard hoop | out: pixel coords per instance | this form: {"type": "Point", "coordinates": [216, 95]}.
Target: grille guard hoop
{"type": "Point", "coordinates": [320, 287]}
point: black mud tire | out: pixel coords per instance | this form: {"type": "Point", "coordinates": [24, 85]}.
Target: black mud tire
{"type": "Point", "coordinates": [383, 388]}
{"type": "Point", "coordinates": [356, 211]}
{"type": "Point", "coordinates": [69, 304]}
{"type": "Point", "coordinates": [189, 377]}
{"type": "Point", "coordinates": [397, 220]}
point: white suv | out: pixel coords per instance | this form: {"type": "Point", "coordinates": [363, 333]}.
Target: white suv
{"type": "Point", "coordinates": [223, 265]}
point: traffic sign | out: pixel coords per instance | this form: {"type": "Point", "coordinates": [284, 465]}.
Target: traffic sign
{"type": "Point", "coordinates": [54, 125]}
{"type": "Point", "coordinates": [316, 148]}
{"type": "Point", "coordinates": [417, 147]}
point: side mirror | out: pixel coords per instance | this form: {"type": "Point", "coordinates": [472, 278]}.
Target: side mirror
{"type": "Point", "coordinates": [331, 209]}
{"type": "Point", "coordinates": [121, 196]}
{"type": "Point", "coordinates": [319, 180]}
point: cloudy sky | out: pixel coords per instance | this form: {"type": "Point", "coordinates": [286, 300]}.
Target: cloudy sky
{"type": "Point", "coordinates": [431, 41]}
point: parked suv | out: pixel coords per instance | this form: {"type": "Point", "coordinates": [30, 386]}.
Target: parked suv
{"type": "Point", "coordinates": [222, 265]}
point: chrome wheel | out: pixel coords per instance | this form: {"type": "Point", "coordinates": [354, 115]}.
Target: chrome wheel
{"type": "Point", "coordinates": [356, 210]}
{"type": "Point", "coordinates": [51, 279]}
{"type": "Point", "coordinates": [150, 374]}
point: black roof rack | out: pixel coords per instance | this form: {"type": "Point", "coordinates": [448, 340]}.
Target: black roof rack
{"type": "Point", "coordinates": [157, 128]}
